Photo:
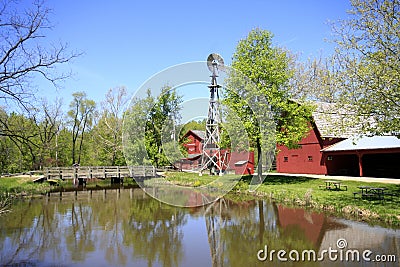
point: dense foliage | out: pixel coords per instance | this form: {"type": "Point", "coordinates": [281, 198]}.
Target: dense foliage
{"type": "Point", "coordinates": [268, 70]}
{"type": "Point", "coordinates": [48, 136]}
{"type": "Point", "coordinates": [151, 129]}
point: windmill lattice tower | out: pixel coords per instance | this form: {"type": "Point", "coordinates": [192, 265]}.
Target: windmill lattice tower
{"type": "Point", "coordinates": [211, 153]}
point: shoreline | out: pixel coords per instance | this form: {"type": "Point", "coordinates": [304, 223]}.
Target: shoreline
{"type": "Point", "coordinates": [303, 191]}
{"type": "Point", "coordinates": [289, 190]}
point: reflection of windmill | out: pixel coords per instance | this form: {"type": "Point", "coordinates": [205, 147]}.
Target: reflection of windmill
{"type": "Point", "coordinates": [211, 154]}
{"type": "Point", "coordinates": [214, 224]}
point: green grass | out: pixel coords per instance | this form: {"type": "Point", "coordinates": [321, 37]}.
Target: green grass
{"type": "Point", "coordinates": [189, 179]}
{"type": "Point", "coordinates": [22, 185]}
{"type": "Point", "coordinates": [305, 192]}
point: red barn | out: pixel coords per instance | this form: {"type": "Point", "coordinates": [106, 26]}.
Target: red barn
{"type": "Point", "coordinates": [195, 141]}
{"type": "Point", "coordinates": [329, 151]}
{"type": "Point", "coordinates": [308, 158]}
{"type": "Point", "coordinates": [239, 162]}
{"type": "Point", "coordinates": [194, 145]}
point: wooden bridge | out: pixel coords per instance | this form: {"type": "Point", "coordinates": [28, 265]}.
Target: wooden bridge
{"type": "Point", "coordinates": [82, 173]}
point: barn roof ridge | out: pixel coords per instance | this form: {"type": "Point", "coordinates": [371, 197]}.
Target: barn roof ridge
{"type": "Point", "coordinates": [336, 121]}
{"type": "Point", "coordinates": [200, 133]}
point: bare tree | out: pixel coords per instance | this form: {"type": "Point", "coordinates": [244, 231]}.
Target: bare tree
{"type": "Point", "coordinates": [368, 52]}
{"type": "Point", "coordinates": [48, 121]}
{"type": "Point", "coordinates": [23, 53]}
{"type": "Point", "coordinates": [315, 80]}
{"type": "Point", "coordinates": [81, 112]}
{"type": "Point", "coordinates": [109, 126]}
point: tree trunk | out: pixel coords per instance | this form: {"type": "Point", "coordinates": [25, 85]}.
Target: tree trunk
{"type": "Point", "coordinates": [262, 221]}
{"type": "Point", "coordinates": [81, 142]}
{"type": "Point", "coordinates": [259, 164]}
{"type": "Point", "coordinates": [75, 132]}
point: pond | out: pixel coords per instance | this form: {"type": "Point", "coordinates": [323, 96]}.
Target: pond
{"type": "Point", "coordinates": [127, 228]}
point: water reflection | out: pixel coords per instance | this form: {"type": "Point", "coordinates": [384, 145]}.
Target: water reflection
{"type": "Point", "coordinates": [127, 228]}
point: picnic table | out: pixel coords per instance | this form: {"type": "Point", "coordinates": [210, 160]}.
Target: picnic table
{"type": "Point", "coordinates": [370, 192]}
{"type": "Point", "coordinates": [333, 185]}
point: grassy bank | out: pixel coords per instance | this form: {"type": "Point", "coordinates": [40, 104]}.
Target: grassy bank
{"type": "Point", "coordinates": [22, 185]}
{"type": "Point", "coordinates": [293, 191]}
{"type": "Point", "coordinates": [305, 192]}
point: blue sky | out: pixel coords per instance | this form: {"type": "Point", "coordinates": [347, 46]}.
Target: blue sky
{"type": "Point", "coordinates": [126, 42]}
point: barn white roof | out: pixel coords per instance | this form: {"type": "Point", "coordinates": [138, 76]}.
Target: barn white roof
{"type": "Point", "coordinates": [365, 143]}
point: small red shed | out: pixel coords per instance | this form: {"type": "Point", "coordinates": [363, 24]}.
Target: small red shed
{"type": "Point", "coordinates": [239, 162]}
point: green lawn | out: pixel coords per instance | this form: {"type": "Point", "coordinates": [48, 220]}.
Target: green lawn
{"type": "Point", "coordinates": [304, 191]}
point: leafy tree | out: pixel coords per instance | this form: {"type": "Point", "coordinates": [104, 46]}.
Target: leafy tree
{"type": "Point", "coordinates": [81, 113]}
{"type": "Point", "coordinates": [62, 147]}
{"type": "Point", "coordinates": [160, 127]}
{"type": "Point", "coordinates": [368, 55]}
{"type": "Point", "coordinates": [23, 54]}
{"type": "Point", "coordinates": [134, 129]}
{"type": "Point", "coordinates": [8, 155]}
{"type": "Point", "coordinates": [23, 134]}
{"type": "Point", "coordinates": [149, 128]}
{"type": "Point", "coordinates": [267, 67]}
{"type": "Point", "coordinates": [33, 133]}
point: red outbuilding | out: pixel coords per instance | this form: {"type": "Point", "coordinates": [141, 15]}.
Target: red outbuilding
{"type": "Point", "coordinates": [193, 141]}
{"type": "Point", "coordinates": [329, 150]}
{"type": "Point", "coordinates": [237, 162]}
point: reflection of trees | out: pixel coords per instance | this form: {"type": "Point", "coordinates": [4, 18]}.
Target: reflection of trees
{"type": "Point", "coordinates": [155, 230]}
{"type": "Point", "coordinates": [235, 229]}
{"type": "Point", "coordinates": [36, 233]}
{"type": "Point", "coordinates": [250, 226]}
{"type": "Point", "coordinates": [129, 228]}
{"type": "Point", "coordinates": [79, 233]}
{"type": "Point", "coordinates": [112, 225]}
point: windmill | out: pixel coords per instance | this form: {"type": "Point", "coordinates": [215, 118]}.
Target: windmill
{"type": "Point", "coordinates": [211, 152]}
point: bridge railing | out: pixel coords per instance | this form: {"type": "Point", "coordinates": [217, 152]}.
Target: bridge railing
{"type": "Point", "coordinates": [100, 172]}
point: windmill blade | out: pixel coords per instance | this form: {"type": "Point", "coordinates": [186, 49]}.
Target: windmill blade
{"type": "Point", "coordinates": [214, 57]}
